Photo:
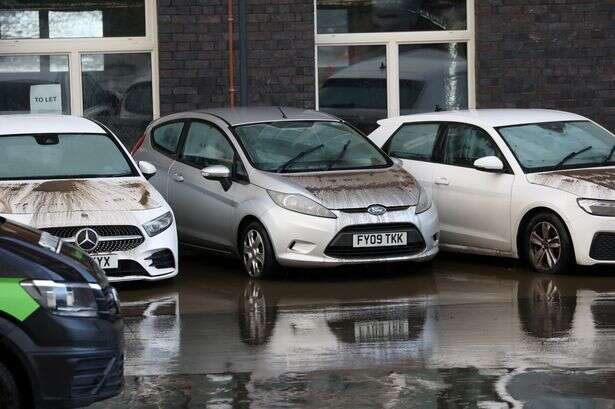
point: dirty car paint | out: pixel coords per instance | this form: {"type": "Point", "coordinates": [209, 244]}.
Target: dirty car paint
{"type": "Point", "coordinates": [589, 183]}
{"type": "Point", "coordinates": [352, 190]}
{"type": "Point", "coordinates": [61, 196]}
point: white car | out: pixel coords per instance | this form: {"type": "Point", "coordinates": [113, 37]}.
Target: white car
{"type": "Point", "coordinates": [534, 184]}
{"type": "Point", "coordinates": [73, 178]}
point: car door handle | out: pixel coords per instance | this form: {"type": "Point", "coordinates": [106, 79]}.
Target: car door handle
{"type": "Point", "coordinates": [442, 181]}
{"type": "Point", "coordinates": [177, 177]}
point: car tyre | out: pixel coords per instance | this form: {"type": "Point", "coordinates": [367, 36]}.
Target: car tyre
{"type": "Point", "coordinates": [257, 253]}
{"type": "Point", "coordinates": [547, 244]}
{"type": "Point", "coordinates": [9, 392]}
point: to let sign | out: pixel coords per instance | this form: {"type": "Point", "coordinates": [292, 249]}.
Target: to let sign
{"type": "Point", "coordinates": [46, 99]}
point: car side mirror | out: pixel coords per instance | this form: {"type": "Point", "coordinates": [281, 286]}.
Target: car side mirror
{"type": "Point", "coordinates": [147, 169]}
{"type": "Point", "coordinates": [489, 164]}
{"type": "Point", "coordinates": [216, 172]}
{"type": "Point", "coordinates": [397, 161]}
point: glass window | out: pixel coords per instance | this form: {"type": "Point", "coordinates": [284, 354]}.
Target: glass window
{"type": "Point", "coordinates": [166, 137]}
{"type": "Point", "coordinates": [546, 146]}
{"type": "Point", "coordinates": [206, 146]}
{"type": "Point", "coordinates": [291, 146]}
{"type": "Point", "coordinates": [414, 141]}
{"type": "Point", "coordinates": [72, 19]}
{"type": "Point", "coordinates": [465, 144]}
{"type": "Point", "coordinates": [54, 156]}
{"type": "Point", "coordinates": [370, 16]}
{"type": "Point", "coordinates": [353, 83]}
{"type": "Point", "coordinates": [117, 90]}
{"type": "Point", "coordinates": [433, 77]}
{"type": "Point", "coordinates": [34, 84]}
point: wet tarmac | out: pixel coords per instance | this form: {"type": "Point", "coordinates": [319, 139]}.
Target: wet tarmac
{"type": "Point", "coordinates": [465, 332]}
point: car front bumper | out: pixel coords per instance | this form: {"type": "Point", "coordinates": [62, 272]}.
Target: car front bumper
{"type": "Point", "coordinates": [593, 238]}
{"type": "Point", "coordinates": [303, 241]}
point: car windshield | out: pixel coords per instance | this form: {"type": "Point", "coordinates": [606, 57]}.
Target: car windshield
{"type": "Point", "coordinates": [61, 156]}
{"type": "Point", "coordinates": [560, 145]}
{"type": "Point", "coordinates": [308, 146]}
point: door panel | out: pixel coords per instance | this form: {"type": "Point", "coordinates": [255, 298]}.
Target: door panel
{"type": "Point", "coordinates": [474, 205]}
{"type": "Point", "coordinates": [162, 147]}
{"type": "Point", "coordinates": [414, 144]}
{"type": "Point", "coordinates": [204, 208]}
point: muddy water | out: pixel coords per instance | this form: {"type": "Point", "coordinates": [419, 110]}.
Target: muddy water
{"type": "Point", "coordinates": [466, 332]}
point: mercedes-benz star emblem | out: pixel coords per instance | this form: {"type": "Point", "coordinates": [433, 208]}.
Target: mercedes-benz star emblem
{"type": "Point", "coordinates": [376, 210]}
{"type": "Point", "coordinates": [87, 239]}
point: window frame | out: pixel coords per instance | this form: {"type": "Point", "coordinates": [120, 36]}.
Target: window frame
{"type": "Point", "coordinates": [236, 157]}
{"type": "Point", "coordinates": [76, 47]}
{"type": "Point", "coordinates": [161, 149]}
{"type": "Point", "coordinates": [439, 135]}
{"type": "Point", "coordinates": [443, 137]}
{"type": "Point", "coordinates": [392, 41]}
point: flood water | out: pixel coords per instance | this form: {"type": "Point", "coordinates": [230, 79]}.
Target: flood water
{"type": "Point", "coordinates": [465, 332]}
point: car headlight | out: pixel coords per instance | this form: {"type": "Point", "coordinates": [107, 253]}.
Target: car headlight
{"type": "Point", "coordinates": [159, 224]}
{"type": "Point", "coordinates": [66, 299]}
{"type": "Point", "coordinates": [300, 204]}
{"type": "Point", "coordinates": [598, 207]}
{"type": "Point", "coordinates": [424, 202]}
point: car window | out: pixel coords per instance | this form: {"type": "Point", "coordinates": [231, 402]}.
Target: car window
{"type": "Point", "coordinates": [206, 146]}
{"type": "Point", "coordinates": [62, 156]}
{"type": "Point", "coordinates": [414, 141]}
{"type": "Point", "coordinates": [303, 146]}
{"type": "Point", "coordinates": [465, 144]}
{"type": "Point", "coordinates": [166, 137]}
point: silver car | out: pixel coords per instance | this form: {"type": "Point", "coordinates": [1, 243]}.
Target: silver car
{"type": "Point", "coordinates": [283, 186]}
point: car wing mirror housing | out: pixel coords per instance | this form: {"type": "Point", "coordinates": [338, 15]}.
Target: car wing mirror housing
{"type": "Point", "coordinates": [147, 169]}
{"type": "Point", "coordinates": [489, 164]}
{"type": "Point", "coordinates": [216, 172]}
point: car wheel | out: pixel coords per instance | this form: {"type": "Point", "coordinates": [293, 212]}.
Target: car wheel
{"type": "Point", "coordinates": [257, 252]}
{"type": "Point", "coordinates": [9, 392]}
{"type": "Point", "coordinates": [547, 244]}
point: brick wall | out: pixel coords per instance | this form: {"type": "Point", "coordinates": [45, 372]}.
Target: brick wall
{"type": "Point", "coordinates": [193, 53]}
{"type": "Point", "coordinates": [556, 54]}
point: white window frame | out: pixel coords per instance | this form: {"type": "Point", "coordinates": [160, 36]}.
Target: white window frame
{"type": "Point", "coordinates": [392, 41]}
{"type": "Point", "coordinates": [76, 47]}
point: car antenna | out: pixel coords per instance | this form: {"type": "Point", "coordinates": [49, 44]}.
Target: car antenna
{"type": "Point", "coordinates": [283, 114]}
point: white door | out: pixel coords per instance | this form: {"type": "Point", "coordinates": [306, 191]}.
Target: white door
{"type": "Point", "coordinates": [474, 205]}
{"type": "Point", "coordinates": [415, 145]}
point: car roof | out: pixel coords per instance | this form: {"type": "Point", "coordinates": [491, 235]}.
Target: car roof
{"type": "Point", "coordinates": [38, 124]}
{"type": "Point", "coordinates": [489, 117]}
{"type": "Point", "coordinates": [249, 115]}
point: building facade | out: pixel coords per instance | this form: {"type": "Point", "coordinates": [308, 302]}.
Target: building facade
{"type": "Point", "coordinates": [126, 62]}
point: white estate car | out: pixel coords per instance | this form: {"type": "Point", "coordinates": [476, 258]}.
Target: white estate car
{"type": "Point", "coordinates": [72, 177]}
{"type": "Point", "coordinates": [536, 184]}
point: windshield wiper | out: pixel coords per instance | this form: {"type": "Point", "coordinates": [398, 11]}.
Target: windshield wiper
{"type": "Point", "coordinates": [570, 156]}
{"type": "Point", "coordinates": [299, 156]}
{"type": "Point", "coordinates": [608, 157]}
{"type": "Point", "coordinates": [340, 156]}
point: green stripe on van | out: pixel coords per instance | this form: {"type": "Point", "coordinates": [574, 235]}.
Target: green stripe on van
{"type": "Point", "coordinates": [14, 300]}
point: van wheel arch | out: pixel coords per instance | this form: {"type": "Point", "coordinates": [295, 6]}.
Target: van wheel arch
{"type": "Point", "coordinates": [16, 365]}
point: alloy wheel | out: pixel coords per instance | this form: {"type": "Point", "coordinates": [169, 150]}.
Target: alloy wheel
{"type": "Point", "coordinates": [545, 246]}
{"type": "Point", "coordinates": [254, 253]}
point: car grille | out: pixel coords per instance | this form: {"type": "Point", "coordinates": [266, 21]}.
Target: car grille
{"type": "Point", "coordinates": [603, 247]}
{"type": "Point", "coordinates": [341, 245]}
{"type": "Point", "coordinates": [364, 209]}
{"type": "Point", "coordinates": [98, 376]}
{"type": "Point", "coordinates": [111, 238]}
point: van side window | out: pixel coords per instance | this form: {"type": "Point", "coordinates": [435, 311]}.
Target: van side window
{"type": "Point", "coordinates": [414, 141]}
{"type": "Point", "coordinates": [465, 144]}
{"type": "Point", "coordinates": [166, 137]}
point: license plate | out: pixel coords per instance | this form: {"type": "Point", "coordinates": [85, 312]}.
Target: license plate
{"type": "Point", "coordinates": [106, 261]}
{"type": "Point", "coordinates": [381, 330]}
{"type": "Point", "coordinates": [380, 239]}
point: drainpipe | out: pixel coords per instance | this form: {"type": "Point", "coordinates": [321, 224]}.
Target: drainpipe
{"type": "Point", "coordinates": [243, 52]}
{"type": "Point", "coordinates": [231, 55]}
